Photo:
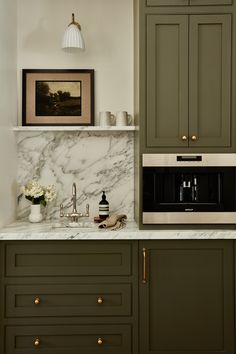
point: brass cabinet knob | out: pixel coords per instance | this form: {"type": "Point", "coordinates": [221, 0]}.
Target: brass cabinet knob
{"type": "Point", "coordinates": [37, 300]}
{"type": "Point", "coordinates": [184, 138]}
{"type": "Point", "coordinates": [36, 342]}
{"type": "Point", "coordinates": [193, 138]}
{"type": "Point", "coordinates": [100, 341]}
{"type": "Point", "coordinates": [100, 300]}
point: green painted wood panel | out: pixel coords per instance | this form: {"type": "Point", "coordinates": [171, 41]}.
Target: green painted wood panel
{"type": "Point", "coordinates": [167, 80]}
{"type": "Point", "coordinates": [187, 304]}
{"type": "Point", "coordinates": [167, 2]}
{"type": "Point", "coordinates": [68, 300]}
{"type": "Point", "coordinates": [210, 80]}
{"type": "Point", "coordinates": [68, 259]}
{"type": "Point", "coordinates": [69, 339]}
{"type": "Point", "coordinates": [210, 2]}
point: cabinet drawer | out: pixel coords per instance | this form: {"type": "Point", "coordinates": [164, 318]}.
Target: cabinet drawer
{"type": "Point", "coordinates": [68, 300]}
{"type": "Point", "coordinates": [73, 259]}
{"type": "Point", "coordinates": [113, 339]}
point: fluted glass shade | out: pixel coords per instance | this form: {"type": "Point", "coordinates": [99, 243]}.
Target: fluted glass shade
{"type": "Point", "coordinates": [73, 37]}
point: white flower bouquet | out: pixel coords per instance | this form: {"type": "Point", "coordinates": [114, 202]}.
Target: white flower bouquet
{"type": "Point", "coordinates": [39, 194]}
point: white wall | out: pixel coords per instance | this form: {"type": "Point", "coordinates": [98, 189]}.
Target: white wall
{"type": "Point", "coordinates": [8, 110]}
{"type": "Point", "coordinates": [107, 27]}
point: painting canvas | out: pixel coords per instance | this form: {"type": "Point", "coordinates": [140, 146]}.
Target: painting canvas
{"type": "Point", "coordinates": [58, 97]}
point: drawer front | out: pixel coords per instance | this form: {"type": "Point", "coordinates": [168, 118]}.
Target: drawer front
{"type": "Point", "coordinates": [73, 259]}
{"type": "Point", "coordinates": [68, 300]}
{"type": "Point", "coordinates": [90, 339]}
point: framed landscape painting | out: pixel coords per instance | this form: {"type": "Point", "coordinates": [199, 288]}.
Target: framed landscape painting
{"type": "Point", "coordinates": [58, 97]}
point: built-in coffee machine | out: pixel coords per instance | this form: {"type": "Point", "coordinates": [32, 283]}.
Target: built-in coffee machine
{"type": "Point", "coordinates": [189, 188]}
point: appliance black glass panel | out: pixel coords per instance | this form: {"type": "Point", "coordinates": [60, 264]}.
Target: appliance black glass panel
{"type": "Point", "coordinates": [189, 189]}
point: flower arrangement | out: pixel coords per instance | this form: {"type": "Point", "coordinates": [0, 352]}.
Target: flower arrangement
{"type": "Point", "coordinates": [39, 194]}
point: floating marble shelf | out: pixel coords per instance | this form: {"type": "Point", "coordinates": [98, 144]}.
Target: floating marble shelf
{"type": "Point", "coordinates": [74, 128]}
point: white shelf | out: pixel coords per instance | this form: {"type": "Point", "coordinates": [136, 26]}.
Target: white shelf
{"type": "Point", "coordinates": [74, 128]}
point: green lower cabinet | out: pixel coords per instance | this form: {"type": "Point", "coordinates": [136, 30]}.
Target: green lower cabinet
{"type": "Point", "coordinates": [84, 339]}
{"type": "Point", "coordinates": [187, 301]}
{"type": "Point", "coordinates": [179, 292]}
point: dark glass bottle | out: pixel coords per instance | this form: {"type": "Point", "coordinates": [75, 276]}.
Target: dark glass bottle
{"type": "Point", "coordinates": [103, 207]}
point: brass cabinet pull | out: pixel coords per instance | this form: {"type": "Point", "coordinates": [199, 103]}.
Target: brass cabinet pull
{"type": "Point", "coordinates": [144, 251]}
{"type": "Point", "coordinates": [100, 300]}
{"type": "Point", "coordinates": [100, 341]}
{"type": "Point", "coordinates": [184, 138]}
{"type": "Point", "coordinates": [193, 138]}
{"type": "Point", "coordinates": [37, 300]}
{"type": "Point", "coordinates": [36, 342]}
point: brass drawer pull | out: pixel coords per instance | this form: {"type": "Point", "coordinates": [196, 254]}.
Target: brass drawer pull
{"type": "Point", "coordinates": [184, 138]}
{"type": "Point", "coordinates": [193, 138]}
{"type": "Point", "coordinates": [37, 300]}
{"type": "Point", "coordinates": [100, 300]}
{"type": "Point", "coordinates": [37, 342]}
{"type": "Point", "coordinates": [100, 341]}
{"type": "Point", "coordinates": [144, 280]}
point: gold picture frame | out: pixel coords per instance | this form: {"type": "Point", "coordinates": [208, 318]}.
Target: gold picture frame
{"type": "Point", "coordinates": [58, 97]}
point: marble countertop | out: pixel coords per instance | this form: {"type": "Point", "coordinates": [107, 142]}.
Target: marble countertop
{"type": "Point", "coordinates": [54, 231]}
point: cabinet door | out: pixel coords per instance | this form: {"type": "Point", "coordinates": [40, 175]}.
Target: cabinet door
{"type": "Point", "coordinates": [210, 2]}
{"type": "Point", "coordinates": [210, 80]}
{"type": "Point", "coordinates": [187, 303]}
{"type": "Point", "coordinates": [167, 2]}
{"type": "Point", "coordinates": [167, 80]}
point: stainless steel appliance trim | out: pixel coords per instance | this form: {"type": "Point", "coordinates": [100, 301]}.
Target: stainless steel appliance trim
{"type": "Point", "coordinates": [189, 218]}
{"type": "Point", "coordinates": [170, 160]}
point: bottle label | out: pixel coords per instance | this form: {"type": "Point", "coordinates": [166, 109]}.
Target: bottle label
{"type": "Point", "coordinates": [104, 210]}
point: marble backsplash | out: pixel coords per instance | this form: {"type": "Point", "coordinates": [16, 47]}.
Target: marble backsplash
{"type": "Point", "coordinates": [95, 161]}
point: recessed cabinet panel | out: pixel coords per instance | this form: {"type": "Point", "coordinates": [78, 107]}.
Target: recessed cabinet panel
{"type": "Point", "coordinates": [210, 2]}
{"type": "Point", "coordinates": [73, 300]}
{"type": "Point", "coordinates": [167, 80]}
{"type": "Point", "coordinates": [167, 2]}
{"type": "Point", "coordinates": [210, 80]}
{"type": "Point", "coordinates": [187, 303]}
{"type": "Point", "coordinates": [87, 339]}
{"type": "Point", "coordinates": [62, 259]}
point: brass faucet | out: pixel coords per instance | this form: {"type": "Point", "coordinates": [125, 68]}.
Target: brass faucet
{"type": "Point", "coordinates": [75, 215]}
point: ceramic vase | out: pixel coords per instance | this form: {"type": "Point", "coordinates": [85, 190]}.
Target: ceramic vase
{"type": "Point", "coordinates": [35, 213]}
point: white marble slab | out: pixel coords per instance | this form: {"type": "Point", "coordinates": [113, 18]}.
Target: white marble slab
{"type": "Point", "coordinates": [46, 231]}
{"type": "Point", "coordinates": [95, 161]}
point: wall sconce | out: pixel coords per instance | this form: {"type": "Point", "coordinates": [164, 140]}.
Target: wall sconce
{"type": "Point", "coordinates": [73, 37]}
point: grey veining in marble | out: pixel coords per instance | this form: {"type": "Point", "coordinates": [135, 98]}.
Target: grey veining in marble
{"type": "Point", "coordinates": [95, 161]}
{"type": "Point", "coordinates": [48, 231]}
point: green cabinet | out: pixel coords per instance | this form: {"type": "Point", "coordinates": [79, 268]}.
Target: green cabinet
{"type": "Point", "coordinates": [187, 2]}
{"type": "Point", "coordinates": [172, 297]}
{"type": "Point", "coordinates": [210, 2]}
{"type": "Point", "coordinates": [187, 297]}
{"type": "Point", "coordinates": [167, 2]}
{"type": "Point", "coordinates": [210, 80]}
{"type": "Point", "coordinates": [188, 83]}
{"type": "Point", "coordinates": [70, 297]}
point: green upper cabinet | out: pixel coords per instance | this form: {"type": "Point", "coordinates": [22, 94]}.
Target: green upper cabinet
{"type": "Point", "coordinates": [187, 302]}
{"type": "Point", "coordinates": [210, 80]}
{"type": "Point", "coordinates": [188, 101]}
{"type": "Point", "coordinates": [167, 80]}
{"type": "Point", "coordinates": [210, 2]}
{"type": "Point", "coordinates": [187, 2]}
{"type": "Point", "coordinates": [167, 2]}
